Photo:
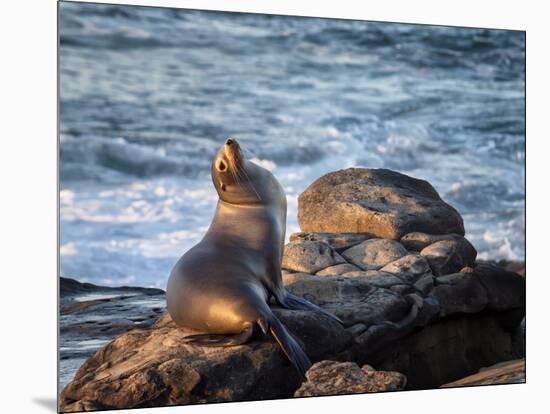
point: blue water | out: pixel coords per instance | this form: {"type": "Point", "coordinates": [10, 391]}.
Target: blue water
{"type": "Point", "coordinates": [149, 94]}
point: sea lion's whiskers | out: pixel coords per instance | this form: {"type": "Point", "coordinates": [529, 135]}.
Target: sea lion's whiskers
{"type": "Point", "coordinates": [233, 158]}
{"type": "Point", "coordinates": [236, 158]}
{"type": "Point", "coordinates": [240, 175]}
{"type": "Point", "coordinates": [236, 177]}
{"type": "Point", "coordinates": [249, 181]}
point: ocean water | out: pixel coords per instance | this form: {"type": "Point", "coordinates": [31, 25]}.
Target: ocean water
{"type": "Point", "coordinates": [147, 96]}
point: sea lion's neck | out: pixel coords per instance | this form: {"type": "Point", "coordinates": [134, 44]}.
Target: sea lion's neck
{"type": "Point", "coordinates": [249, 224]}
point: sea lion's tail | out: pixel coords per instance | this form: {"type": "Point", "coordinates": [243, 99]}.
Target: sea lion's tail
{"type": "Point", "coordinates": [290, 301]}
{"type": "Point", "coordinates": [290, 347]}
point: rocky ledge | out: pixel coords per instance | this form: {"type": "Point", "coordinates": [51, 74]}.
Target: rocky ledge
{"type": "Point", "coordinates": [416, 306]}
{"type": "Point", "coordinates": [91, 316]}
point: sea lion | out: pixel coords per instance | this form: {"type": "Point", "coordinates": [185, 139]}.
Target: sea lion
{"type": "Point", "coordinates": [222, 285]}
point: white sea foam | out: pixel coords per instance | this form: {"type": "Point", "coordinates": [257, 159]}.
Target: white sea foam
{"type": "Point", "coordinates": [332, 132]}
{"type": "Point", "coordinates": [68, 249]}
{"type": "Point", "coordinates": [124, 281]}
{"type": "Point", "coordinates": [160, 191]}
{"type": "Point", "coordinates": [99, 296]}
{"type": "Point", "coordinates": [66, 197]}
{"type": "Point", "coordinates": [84, 344]}
{"type": "Point", "coordinates": [267, 164]}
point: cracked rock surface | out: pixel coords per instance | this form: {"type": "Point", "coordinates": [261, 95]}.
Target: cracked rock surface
{"type": "Point", "coordinates": [333, 378]}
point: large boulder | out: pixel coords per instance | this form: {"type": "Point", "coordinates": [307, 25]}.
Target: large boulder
{"type": "Point", "coordinates": [378, 202]}
{"type": "Point", "coordinates": [333, 378]}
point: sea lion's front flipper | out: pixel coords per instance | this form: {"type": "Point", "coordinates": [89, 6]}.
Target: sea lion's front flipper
{"type": "Point", "coordinates": [290, 301]}
{"type": "Point", "coordinates": [290, 347]}
{"type": "Point", "coordinates": [220, 339]}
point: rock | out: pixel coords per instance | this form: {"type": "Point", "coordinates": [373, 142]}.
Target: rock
{"type": "Point", "coordinates": [445, 350]}
{"type": "Point", "coordinates": [508, 265]}
{"type": "Point", "coordinates": [488, 287]}
{"type": "Point", "coordinates": [338, 241]}
{"type": "Point", "coordinates": [381, 332]}
{"type": "Point", "coordinates": [81, 406]}
{"type": "Point", "coordinates": [385, 380]}
{"type": "Point", "coordinates": [449, 256]}
{"type": "Point", "coordinates": [425, 284]}
{"type": "Point", "coordinates": [378, 202]}
{"type": "Point", "coordinates": [410, 268]}
{"type": "Point", "coordinates": [333, 378]}
{"type": "Point", "coordinates": [309, 256]}
{"type": "Point", "coordinates": [337, 270]}
{"type": "Point", "coordinates": [467, 269]}
{"type": "Point", "coordinates": [460, 293]}
{"type": "Point", "coordinates": [69, 288]}
{"type": "Point", "coordinates": [380, 306]}
{"type": "Point", "coordinates": [321, 336]}
{"type": "Point", "coordinates": [353, 300]}
{"type": "Point", "coordinates": [374, 254]}
{"type": "Point", "coordinates": [416, 241]}
{"type": "Point", "coordinates": [512, 266]}
{"type": "Point", "coordinates": [403, 289]}
{"type": "Point", "coordinates": [505, 289]}
{"type": "Point", "coordinates": [357, 329]}
{"type": "Point", "coordinates": [376, 278]}
{"type": "Point", "coordinates": [154, 367]}
{"type": "Point", "coordinates": [91, 316]}
{"type": "Point", "coordinates": [319, 290]}
{"type": "Point", "coordinates": [508, 372]}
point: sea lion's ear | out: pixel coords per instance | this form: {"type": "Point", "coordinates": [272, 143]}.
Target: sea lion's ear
{"type": "Point", "coordinates": [222, 186]}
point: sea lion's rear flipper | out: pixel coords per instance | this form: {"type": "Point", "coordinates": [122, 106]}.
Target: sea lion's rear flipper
{"type": "Point", "coordinates": [290, 301]}
{"type": "Point", "coordinates": [220, 339]}
{"type": "Point", "coordinates": [290, 347]}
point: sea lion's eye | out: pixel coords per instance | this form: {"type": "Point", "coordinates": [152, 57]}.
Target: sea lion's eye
{"type": "Point", "coordinates": [221, 166]}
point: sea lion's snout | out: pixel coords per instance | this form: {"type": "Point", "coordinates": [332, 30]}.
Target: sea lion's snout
{"type": "Point", "coordinates": [229, 157]}
{"type": "Point", "coordinates": [231, 147]}
{"type": "Point", "coordinates": [232, 151]}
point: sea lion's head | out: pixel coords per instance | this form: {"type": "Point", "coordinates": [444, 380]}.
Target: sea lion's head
{"type": "Point", "coordinates": [239, 181]}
